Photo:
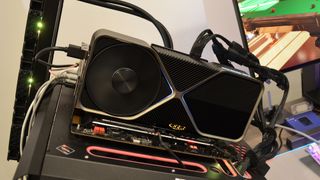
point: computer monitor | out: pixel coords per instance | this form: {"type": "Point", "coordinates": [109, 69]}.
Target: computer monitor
{"type": "Point", "coordinates": [283, 34]}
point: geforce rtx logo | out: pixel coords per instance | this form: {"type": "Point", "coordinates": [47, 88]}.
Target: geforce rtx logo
{"type": "Point", "coordinates": [177, 127]}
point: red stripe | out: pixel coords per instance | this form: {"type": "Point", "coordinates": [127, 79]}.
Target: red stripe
{"type": "Point", "coordinates": [144, 156]}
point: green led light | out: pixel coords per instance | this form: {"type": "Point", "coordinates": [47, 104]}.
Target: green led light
{"type": "Point", "coordinates": [40, 25]}
{"type": "Point", "coordinates": [30, 80]}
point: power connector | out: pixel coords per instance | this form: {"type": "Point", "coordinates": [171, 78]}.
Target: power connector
{"type": "Point", "coordinates": [79, 52]}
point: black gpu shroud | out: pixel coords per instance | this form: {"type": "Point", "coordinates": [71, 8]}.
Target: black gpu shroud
{"type": "Point", "coordinates": [202, 86]}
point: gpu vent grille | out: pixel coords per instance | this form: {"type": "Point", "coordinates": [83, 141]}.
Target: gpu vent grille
{"type": "Point", "coordinates": [183, 70]}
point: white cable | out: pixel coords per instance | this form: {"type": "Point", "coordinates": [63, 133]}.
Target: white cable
{"type": "Point", "coordinates": [68, 75]}
{"type": "Point", "coordinates": [44, 87]}
{"type": "Point", "coordinates": [298, 132]}
{"type": "Point", "coordinates": [24, 124]}
{"type": "Point", "coordinates": [37, 100]}
{"type": "Point", "coordinates": [39, 96]}
{"type": "Point", "coordinates": [31, 108]}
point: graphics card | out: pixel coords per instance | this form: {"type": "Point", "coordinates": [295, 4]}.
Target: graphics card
{"type": "Point", "coordinates": [126, 80]}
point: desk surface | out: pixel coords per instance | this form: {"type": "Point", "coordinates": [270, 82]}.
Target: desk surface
{"type": "Point", "coordinates": [295, 164]}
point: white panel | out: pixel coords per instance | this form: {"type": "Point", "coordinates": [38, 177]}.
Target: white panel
{"type": "Point", "coordinates": [222, 19]}
{"type": "Point", "coordinates": [184, 19]}
{"type": "Point", "coordinates": [13, 15]}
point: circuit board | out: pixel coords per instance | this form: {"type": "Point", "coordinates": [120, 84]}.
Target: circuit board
{"type": "Point", "coordinates": [159, 139]}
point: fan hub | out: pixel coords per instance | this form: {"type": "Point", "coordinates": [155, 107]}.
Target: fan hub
{"type": "Point", "coordinates": [124, 80]}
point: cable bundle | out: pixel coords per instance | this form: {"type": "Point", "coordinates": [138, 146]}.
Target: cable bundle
{"type": "Point", "coordinates": [66, 76]}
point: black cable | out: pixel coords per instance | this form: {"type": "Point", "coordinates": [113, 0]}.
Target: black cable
{"type": "Point", "coordinates": [47, 50]}
{"type": "Point", "coordinates": [202, 35]}
{"type": "Point", "coordinates": [59, 81]}
{"type": "Point", "coordinates": [259, 119]}
{"type": "Point", "coordinates": [280, 140]}
{"type": "Point", "coordinates": [137, 11]}
{"type": "Point", "coordinates": [202, 40]}
{"type": "Point", "coordinates": [268, 148]}
{"type": "Point", "coordinates": [161, 28]}
{"type": "Point", "coordinates": [273, 151]}
{"type": "Point", "coordinates": [228, 151]}
{"type": "Point", "coordinates": [224, 39]}
{"type": "Point", "coordinates": [40, 61]}
{"type": "Point", "coordinates": [282, 103]}
{"type": "Point", "coordinates": [170, 151]}
{"type": "Point", "coordinates": [262, 117]}
{"type": "Point", "coordinates": [199, 44]}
